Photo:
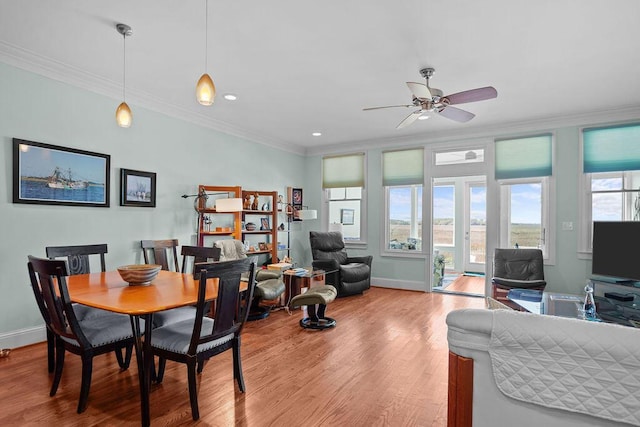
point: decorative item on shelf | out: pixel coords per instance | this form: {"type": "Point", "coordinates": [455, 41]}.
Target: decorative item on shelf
{"type": "Point", "coordinates": [5, 352]}
{"type": "Point", "coordinates": [281, 227]}
{"type": "Point", "coordinates": [280, 202]}
{"type": "Point", "coordinates": [247, 202]}
{"type": "Point", "coordinates": [207, 222]}
{"type": "Point", "coordinates": [250, 226]}
{"type": "Point", "coordinates": [256, 201]}
{"type": "Point", "coordinates": [266, 206]}
{"type": "Point", "coordinates": [264, 224]}
{"type": "Point", "coordinates": [262, 246]}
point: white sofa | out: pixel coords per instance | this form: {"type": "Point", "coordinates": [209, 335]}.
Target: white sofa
{"type": "Point", "coordinates": [512, 368]}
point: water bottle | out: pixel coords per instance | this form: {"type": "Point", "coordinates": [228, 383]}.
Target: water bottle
{"type": "Point", "coordinates": [589, 306]}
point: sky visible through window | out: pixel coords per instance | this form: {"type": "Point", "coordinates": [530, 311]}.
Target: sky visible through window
{"type": "Point", "coordinates": [400, 204]}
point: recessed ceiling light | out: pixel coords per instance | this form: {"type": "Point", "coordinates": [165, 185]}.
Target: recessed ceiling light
{"type": "Point", "coordinates": [230, 97]}
{"type": "Point", "coordinates": [423, 117]}
{"type": "Point", "coordinates": [317, 134]}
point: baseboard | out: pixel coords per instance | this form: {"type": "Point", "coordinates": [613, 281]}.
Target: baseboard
{"type": "Point", "coordinates": [23, 337]}
{"type": "Point", "coordinates": [399, 284]}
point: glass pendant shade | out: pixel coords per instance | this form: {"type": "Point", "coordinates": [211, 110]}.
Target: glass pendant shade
{"type": "Point", "coordinates": [123, 115]}
{"type": "Point", "coordinates": [205, 90]}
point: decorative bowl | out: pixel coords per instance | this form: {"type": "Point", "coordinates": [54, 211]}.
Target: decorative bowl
{"type": "Point", "coordinates": [250, 226]}
{"type": "Point", "coordinates": [139, 274]}
{"type": "Point", "coordinates": [5, 352]}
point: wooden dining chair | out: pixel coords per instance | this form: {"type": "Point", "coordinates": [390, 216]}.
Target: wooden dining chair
{"type": "Point", "coordinates": [78, 262]}
{"type": "Point", "coordinates": [193, 341]}
{"type": "Point", "coordinates": [163, 251]}
{"type": "Point", "coordinates": [192, 255]}
{"type": "Point", "coordinates": [86, 338]}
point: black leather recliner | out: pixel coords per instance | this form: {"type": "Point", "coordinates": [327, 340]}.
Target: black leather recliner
{"type": "Point", "coordinates": [516, 268]}
{"type": "Point", "coordinates": [349, 275]}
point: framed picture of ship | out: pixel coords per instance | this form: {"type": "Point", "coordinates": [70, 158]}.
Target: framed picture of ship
{"type": "Point", "coordinates": [52, 175]}
{"type": "Point", "coordinates": [137, 188]}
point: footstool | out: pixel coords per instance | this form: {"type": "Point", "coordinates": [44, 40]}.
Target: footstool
{"type": "Point", "coordinates": [320, 296]}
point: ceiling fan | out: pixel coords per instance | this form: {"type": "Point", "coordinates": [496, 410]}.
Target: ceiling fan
{"type": "Point", "coordinates": [431, 100]}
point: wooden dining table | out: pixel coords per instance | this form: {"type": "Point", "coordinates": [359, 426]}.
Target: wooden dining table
{"type": "Point", "coordinates": [108, 291]}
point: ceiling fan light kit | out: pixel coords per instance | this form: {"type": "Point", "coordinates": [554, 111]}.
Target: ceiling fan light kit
{"type": "Point", "coordinates": [431, 100]}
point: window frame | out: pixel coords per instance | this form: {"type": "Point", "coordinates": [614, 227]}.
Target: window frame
{"type": "Point", "coordinates": [386, 250]}
{"type": "Point", "coordinates": [547, 200]}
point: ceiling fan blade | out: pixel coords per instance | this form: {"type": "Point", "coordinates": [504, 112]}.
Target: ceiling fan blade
{"type": "Point", "coordinates": [419, 90]}
{"type": "Point", "coordinates": [473, 95]}
{"type": "Point", "coordinates": [409, 119]}
{"type": "Point", "coordinates": [456, 114]}
{"type": "Point", "coordinates": [388, 106]}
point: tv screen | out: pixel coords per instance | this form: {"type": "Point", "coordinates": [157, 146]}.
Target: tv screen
{"type": "Point", "coordinates": [615, 250]}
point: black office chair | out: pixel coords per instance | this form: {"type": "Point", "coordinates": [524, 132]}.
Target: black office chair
{"type": "Point", "coordinates": [349, 275]}
{"type": "Point", "coordinates": [193, 341]}
{"type": "Point", "coordinates": [86, 338]}
{"type": "Point", "coordinates": [516, 269]}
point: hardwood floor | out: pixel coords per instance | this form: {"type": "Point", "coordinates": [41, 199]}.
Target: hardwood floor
{"type": "Point", "coordinates": [467, 284]}
{"type": "Point", "coordinates": [385, 364]}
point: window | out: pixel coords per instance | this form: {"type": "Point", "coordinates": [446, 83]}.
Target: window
{"type": "Point", "coordinates": [524, 172]}
{"type": "Point", "coordinates": [444, 226]}
{"type": "Point", "coordinates": [403, 177]}
{"type": "Point", "coordinates": [611, 178]}
{"type": "Point", "coordinates": [343, 181]}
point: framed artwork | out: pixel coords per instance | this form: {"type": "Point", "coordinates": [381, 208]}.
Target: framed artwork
{"type": "Point", "coordinates": [346, 216]}
{"type": "Point", "coordinates": [264, 224]}
{"type": "Point", "coordinates": [47, 174]}
{"type": "Point", "coordinates": [296, 198]}
{"type": "Point", "coordinates": [137, 188]}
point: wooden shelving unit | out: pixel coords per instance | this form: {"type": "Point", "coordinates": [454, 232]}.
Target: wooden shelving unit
{"type": "Point", "coordinates": [267, 209]}
{"type": "Point", "coordinates": [205, 210]}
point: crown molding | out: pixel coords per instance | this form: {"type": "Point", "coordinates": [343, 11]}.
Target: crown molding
{"type": "Point", "coordinates": [50, 68]}
{"type": "Point", "coordinates": [595, 118]}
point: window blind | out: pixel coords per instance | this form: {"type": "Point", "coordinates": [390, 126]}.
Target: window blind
{"type": "Point", "coordinates": [613, 148]}
{"type": "Point", "coordinates": [404, 167]}
{"type": "Point", "coordinates": [343, 171]}
{"type": "Point", "coordinates": [524, 157]}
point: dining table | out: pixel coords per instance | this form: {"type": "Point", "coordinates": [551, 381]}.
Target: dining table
{"type": "Point", "coordinates": [108, 291]}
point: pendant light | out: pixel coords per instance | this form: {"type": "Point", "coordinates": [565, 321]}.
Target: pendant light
{"type": "Point", "coordinates": [205, 89]}
{"type": "Point", "coordinates": [123, 113]}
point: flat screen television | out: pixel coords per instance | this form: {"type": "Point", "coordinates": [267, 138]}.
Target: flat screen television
{"type": "Point", "coordinates": [616, 250]}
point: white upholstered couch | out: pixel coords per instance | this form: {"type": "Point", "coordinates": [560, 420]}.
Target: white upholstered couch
{"type": "Point", "coordinates": [512, 368]}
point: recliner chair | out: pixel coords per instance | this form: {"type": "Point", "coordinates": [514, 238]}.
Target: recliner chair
{"type": "Point", "coordinates": [349, 275]}
{"type": "Point", "coordinates": [516, 269]}
{"type": "Point", "coordinates": [269, 284]}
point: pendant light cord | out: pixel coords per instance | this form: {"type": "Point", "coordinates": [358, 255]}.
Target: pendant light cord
{"type": "Point", "coordinates": [124, 65]}
{"type": "Point", "coordinates": [206, 34]}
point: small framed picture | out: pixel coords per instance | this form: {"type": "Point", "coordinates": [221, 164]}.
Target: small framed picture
{"type": "Point", "coordinates": [346, 216]}
{"type": "Point", "coordinates": [262, 246]}
{"type": "Point", "coordinates": [296, 198]}
{"type": "Point", "coordinates": [264, 224]}
{"type": "Point", "coordinates": [137, 188]}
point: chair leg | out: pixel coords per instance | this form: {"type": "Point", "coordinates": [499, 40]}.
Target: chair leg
{"type": "Point", "coordinates": [237, 365]}
{"type": "Point", "coordinates": [87, 368]}
{"type": "Point", "coordinates": [59, 365]}
{"type": "Point", "coordinates": [201, 364]}
{"type": "Point", "coordinates": [162, 362]}
{"type": "Point", "coordinates": [127, 355]}
{"type": "Point", "coordinates": [193, 389]}
{"type": "Point", "coordinates": [51, 350]}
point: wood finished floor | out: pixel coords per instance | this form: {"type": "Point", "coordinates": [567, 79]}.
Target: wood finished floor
{"type": "Point", "coordinates": [385, 364]}
{"type": "Point", "coordinates": [467, 284]}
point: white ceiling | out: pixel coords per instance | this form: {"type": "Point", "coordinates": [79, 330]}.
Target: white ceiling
{"type": "Point", "coordinates": [300, 66]}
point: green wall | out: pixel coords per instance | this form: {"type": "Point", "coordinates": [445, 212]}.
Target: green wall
{"type": "Point", "coordinates": [183, 155]}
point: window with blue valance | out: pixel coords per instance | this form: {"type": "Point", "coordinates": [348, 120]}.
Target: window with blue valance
{"type": "Point", "coordinates": [612, 148]}
{"type": "Point", "coordinates": [524, 157]}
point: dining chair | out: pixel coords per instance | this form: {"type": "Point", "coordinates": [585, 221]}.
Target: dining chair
{"type": "Point", "coordinates": [164, 251]}
{"type": "Point", "coordinates": [192, 255]}
{"type": "Point", "coordinates": [193, 341]}
{"type": "Point", "coordinates": [86, 338]}
{"type": "Point", "coordinates": [78, 262]}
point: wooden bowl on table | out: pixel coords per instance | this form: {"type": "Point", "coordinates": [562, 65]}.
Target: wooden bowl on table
{"type": "Point", "coordinates": [139, 274]}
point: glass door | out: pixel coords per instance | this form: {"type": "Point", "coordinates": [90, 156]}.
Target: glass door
{"type": "Point", "coordinates": [475, 234]}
